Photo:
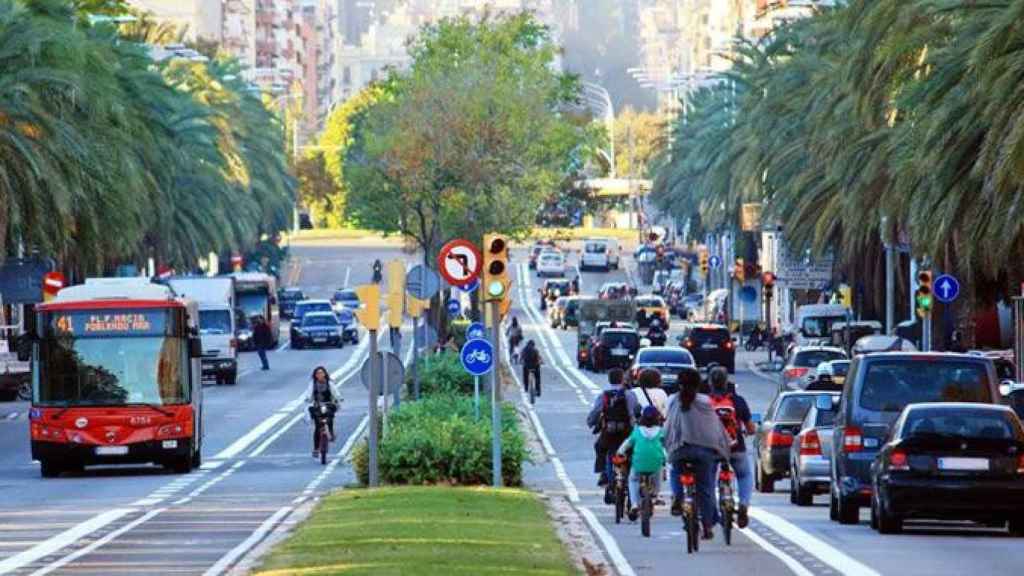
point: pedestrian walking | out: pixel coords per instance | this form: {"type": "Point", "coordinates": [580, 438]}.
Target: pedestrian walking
{"type": "Point", "coordinates": [262, 339]}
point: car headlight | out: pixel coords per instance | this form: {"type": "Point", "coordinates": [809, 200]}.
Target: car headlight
{"type": "Point", "coordinates": [244, 335]}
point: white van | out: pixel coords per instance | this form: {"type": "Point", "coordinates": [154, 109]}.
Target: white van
{"type": "Point", "coordinates": [601, 254]}
{"type": "Point", "coordinates": [814, 322]}
{"type": "Point", "coordinates": [216, 299]}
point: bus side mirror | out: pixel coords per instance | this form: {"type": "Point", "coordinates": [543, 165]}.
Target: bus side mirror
{"type": "Point", "coordinates": [195, 347]}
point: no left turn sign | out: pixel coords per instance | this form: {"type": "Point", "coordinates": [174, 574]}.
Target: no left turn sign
{"type": "Point", "coordinates": [459, 262]}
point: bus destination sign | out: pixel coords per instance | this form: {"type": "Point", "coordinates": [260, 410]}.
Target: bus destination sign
{"type": "Point", "coordinates": [113, 323]}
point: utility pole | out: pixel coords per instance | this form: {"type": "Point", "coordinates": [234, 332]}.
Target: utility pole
{"type": "Point", "coordinates": [369, 316]}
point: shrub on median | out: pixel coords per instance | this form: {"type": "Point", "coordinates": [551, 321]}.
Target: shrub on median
{"type": "Point", "coordinates": [442, 374]}
{"type": "Point", "coordinates": [437, 440]}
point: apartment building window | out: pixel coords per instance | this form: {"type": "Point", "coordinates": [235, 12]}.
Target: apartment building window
{"type": "Point", "coordinates": [346, 75]}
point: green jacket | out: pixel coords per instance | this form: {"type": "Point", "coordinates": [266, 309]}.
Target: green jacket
{"type": "Point", "coordinates": [648, 452]}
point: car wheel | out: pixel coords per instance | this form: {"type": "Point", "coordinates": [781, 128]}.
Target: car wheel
{"type": "Point", "coordinates": [847, 512]}
{"type": "Point", "coordinates": [888, 523]}
{"type": "Point", "coordinates": [874, 513]}
{"type": "Point", "coordinates": [833, 507]}
{"type": "Point", "coordinates": [1016, 527]}
{"type": "Point", "coordinates": [801, 495]}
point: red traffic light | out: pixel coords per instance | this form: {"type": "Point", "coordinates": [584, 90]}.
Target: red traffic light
{"type": "Point", "coordinates": [768, 278]}
{"type": "Point", "coordinates": [497, 246]}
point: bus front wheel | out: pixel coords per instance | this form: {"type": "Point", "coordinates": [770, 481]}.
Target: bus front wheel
{"type": "Point", "coordinates": [49, 469]}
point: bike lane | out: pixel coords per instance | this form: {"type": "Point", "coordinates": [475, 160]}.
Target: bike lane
{"type": "Point", "coordinates": [559, 417]}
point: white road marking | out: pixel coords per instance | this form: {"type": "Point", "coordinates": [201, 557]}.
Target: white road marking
{"type": "Point", "coordinates": [59, 541]}
{"type": "Point", "coordinates": [786, 559]}
{"type": "Point", "coordinates": [97, 543]}
{"type": "Point", "coordinates": [281, 347]}
{"type": "Point", "coordinates": [608, 541]}
{"type": "Point", "coordinates": [235, 553]}
{"type": "Point", "coordinates": [273, 437]}
{"type": "Point", "coordinates": [210, 483]}
{"type": "Point", "coordinates": [256, 433]}
{"type": "Point", "coordinates": [348, 272]}
{"type": "Point", "coordinates": [831, 556]}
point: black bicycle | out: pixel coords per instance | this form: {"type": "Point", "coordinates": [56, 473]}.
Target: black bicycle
{"type": "Point", "coordinates": [647, 496]}
{"type": "Point", "coordinates": [726, 500]}
{"type": "Point", "coordinates": [620, 486]}
{"type": "Point", "coordinates": [691, 520]}
{"type": "Point", "coordinates": [322, 414]}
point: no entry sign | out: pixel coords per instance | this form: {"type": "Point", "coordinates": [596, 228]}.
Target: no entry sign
{"type": "Point", "coordinates": [459, 262]}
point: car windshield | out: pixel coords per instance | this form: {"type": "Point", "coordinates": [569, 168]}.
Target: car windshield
{"type": "Point", "coordinates": [705, 336]}
{"type": "Point", "coordinates": [254, 303]}
{"type": "Point", "coordinates": [811, 358]}
{"type": "Point", "coordinates": [595, 248]}
{"type": "Point", "coordinates": [819, 326]}
{"type": "Point", "coordinates": [616, 339]}
{"type": "Point", "coordinates": [214, 322]}
{"type": "Point", "coordinates": [665, 357]}
{"type": "Point", "coordinates": [889, 385]}
{"type": "Point", "coordinates": [962, 423]}
{"type": "Point", "coordinates": [794, 408]}
{"type": "Point", "coordinates": [112, 371]}
{"type": "Point", "coordinates": [319, 320]}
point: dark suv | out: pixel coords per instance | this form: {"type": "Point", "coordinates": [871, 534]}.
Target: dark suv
{"type": "Point", "coordinates": [877, 389]}
{"type": "Point", "coordinates": [710, 344]}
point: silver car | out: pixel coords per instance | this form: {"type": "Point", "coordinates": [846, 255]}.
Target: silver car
{"type": "Point", "coordinates": [802, 366]}
{"type": "Point", "coordinates": [810, 456]}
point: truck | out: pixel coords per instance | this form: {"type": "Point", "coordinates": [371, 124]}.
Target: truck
{"type": "Point", "coordinates": [594, 311]}
{"type": "Point", "coordinates": [117, 378]}
{"type": "Point", "coordinates": [256, 295]}
{"type": "Point", "coordinates": [215, 297]}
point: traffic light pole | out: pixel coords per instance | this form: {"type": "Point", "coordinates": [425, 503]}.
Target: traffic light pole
{"type": "Point", "coordinates": [496, 396]}
{"type": "Point", "coordinates": [926, 333]}
{"type": "Point", "coordinates": [374, 394]}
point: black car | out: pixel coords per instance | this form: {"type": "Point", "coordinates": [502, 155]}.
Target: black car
{"type": "Point", "coordinates": [775, 436]}
{"type": "Point", "coordinates": [710, 344]}
{"type": "Point", "coordinates": [669, 361]}
{"type": "Point", "coordinates": [319, 329]}
{"type": "Point", "coordinates": [301, 309]}
{"type": "Point", "coordinates": [876, 390]}
{"type": "Point", "coordinates": [951, 461]}
{"type": "Point", "coordinates": [614, 348]}
{"type": "Point", "coordinates": [287, 298]}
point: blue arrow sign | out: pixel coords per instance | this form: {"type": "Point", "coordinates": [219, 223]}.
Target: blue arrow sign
{"type": "Point", "coordinates": [477, 357]}
{"type": "Point", "coordinates": [471, 287]}
{"type": "Point", "coordinates": [454, 307]}
{"type": "Point", "coordinates": [476, 331]}
{"type": "Point", "coordinates": [947, 288]}
{"type": "Point", "coordinates": [714, 261]}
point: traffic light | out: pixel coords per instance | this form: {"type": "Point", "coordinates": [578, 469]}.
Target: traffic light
{"type": "Point", "coordinates": [369, 309]}
{"type": "Point", "coordinates": [768, 280]}
{"type": "Point", "coordinates": [739, 271]}
{"type": "Point", "coordinates": [704, 263]}
{"type": "Point", "coordinates": [923, 296]}
{"type": "Point", "coordinates": [396, 292]}
{"type": "Point", "coordinates": [495, 283]}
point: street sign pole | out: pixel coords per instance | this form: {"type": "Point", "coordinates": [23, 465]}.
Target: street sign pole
{"type": "Point", "coordinates": [415, 357]}
{"type": "Point", "coordinates": [374, 394]}
{"type": "Point", "coordinates": [926, 333]}
{"type": "Point", "coordinates": [476, 397]}
{"type": "Point", "coordinates": [496, 397]}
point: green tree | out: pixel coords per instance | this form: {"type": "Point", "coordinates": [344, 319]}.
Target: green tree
{"type": "Point", "coordinates": [470, 139]}
{"type": "Point", "coordinates": [639, 138]}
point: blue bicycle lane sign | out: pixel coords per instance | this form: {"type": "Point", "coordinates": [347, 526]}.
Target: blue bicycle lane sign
{"type": "Point", "coordinates": [476, 331]}
{"type": "Point", "coordinates": [477, 357]}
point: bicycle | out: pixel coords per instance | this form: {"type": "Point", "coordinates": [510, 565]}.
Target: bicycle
{"type": "Point", "coordinates": [531, 386]}
{"type": "Point", "coordinates": [647, 495]}
{"type": "Point", "coordinates": [322, 416]}
{"type": "Point", "coordinates": [691, 523]}
{"type": "Point", "coordinates": [620, 486]}
{"type": "Point", "coordinates": [726, 501]}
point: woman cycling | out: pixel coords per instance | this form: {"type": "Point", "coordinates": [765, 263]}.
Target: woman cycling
{"type": "Point", "coordinates": [694, 434]}
{"type": "Point", "coordinates": [322, 391]}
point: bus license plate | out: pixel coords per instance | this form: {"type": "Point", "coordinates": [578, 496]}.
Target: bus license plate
{"type": "Point", "coordinates": [320, 340]}
{"type": "Point", "coordinates": [169, 444]}
{"type": "Point", "coordinates": [111, 450]}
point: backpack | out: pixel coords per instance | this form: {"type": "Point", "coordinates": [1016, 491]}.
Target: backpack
{"type": "Point", "coordinates": [724, 406]}
{"type": "Point", "coordinates": [615, 419]}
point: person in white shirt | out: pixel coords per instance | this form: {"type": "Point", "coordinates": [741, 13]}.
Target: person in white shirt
{"type": "Point", "coordinates": [648, 392]}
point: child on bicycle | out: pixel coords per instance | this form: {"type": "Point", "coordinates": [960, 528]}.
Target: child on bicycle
{"type": "Point", "coordinates": [648, 455]}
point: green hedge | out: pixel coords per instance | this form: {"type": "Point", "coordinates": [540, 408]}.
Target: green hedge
{"type": "Point", "coordinates": [442, 374]}
{"type": "Point", "coordinates": [437, 440]}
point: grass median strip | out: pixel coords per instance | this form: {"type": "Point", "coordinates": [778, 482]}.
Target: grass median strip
{"type": "Point", "coordinates": [423, 530]}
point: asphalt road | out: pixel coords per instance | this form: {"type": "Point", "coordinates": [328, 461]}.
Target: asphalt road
{"type": "Point", "coordinates": [781, 539]}
{"type": "Point", "coordinates": [257, 471]}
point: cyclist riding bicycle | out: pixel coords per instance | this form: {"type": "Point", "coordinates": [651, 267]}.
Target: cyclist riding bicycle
{"type": "Point", "coordinates": [694, 434]}
{"type": "Point", "coordinates": [734, 412]}
{"type": "Point", "coordinates": [322, 391]}
{"type": "Point", "coordinates": [648, 455]}
{"type": "Point", "coordinates": [531, 359]}
{"type": "Point", "coordinates": [611, 419]}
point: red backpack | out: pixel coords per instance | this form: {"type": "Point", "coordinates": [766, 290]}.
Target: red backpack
{"type": "Point", "coordinates": [726, 410]}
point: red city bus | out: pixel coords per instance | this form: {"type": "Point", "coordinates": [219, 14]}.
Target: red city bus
{"type": "Point", "coordinates": [116, 378]}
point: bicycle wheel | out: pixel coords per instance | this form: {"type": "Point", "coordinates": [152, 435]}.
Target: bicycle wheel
{"type": "Point", "coordinates": [645, 513]}
{"type": "Point", "coordinates": [620, 504]}
{"type": "Point", "coordinates": [727, 527]}
{"type": "Point", "coordinates": [695, 530]}
{"type": "Point", "coordinates": [325, 439]}
{"type": "Point", "coordinates": [533, 391]}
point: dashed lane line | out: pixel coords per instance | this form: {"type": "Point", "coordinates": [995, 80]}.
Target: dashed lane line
{"type": "Point", "coordinates": [95, 545]}
{"type": "Point", "coordinates": [65, 538]}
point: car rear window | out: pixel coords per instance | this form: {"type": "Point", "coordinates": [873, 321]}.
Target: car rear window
{"type": "Point", "coordinates": [840, 368]}
{"type": "Point", "coordinates": [962, 423]}
{"type": "Point", "coordinates": [665, 357]}
{"type": "Point", "coordinates": [811, 358]}
{"type": "Point", "coordinates": [889, 385]}
{"type": "Point", "coordinates": [794, 408]}
{"type": "Point", "coordinates": [709, 335]}
{"type": "Point", "coordinates": [595, 248]}
{"type": "Point", "coordinates": [613, 339]}
{"type": "Point", "coordinates": [292, 295]}
{"type": "Point", "coordinates": [304, 309]}
{"type": "Point", "coordinates": [551, 257]}
{"type": "Point", "coordinates": [650, 302]}
{"type": "Point", "coordinates": [346, 295]}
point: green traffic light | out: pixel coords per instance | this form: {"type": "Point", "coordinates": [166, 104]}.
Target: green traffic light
{"type": "Point", "coordinates": [924, 302]}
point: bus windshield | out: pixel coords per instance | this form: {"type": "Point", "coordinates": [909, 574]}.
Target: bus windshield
{"type": "Point", "coordinates": [112, 371]}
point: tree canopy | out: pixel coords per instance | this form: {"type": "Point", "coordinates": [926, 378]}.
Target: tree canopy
{"type": "Point", "coordinates": [470, 139]}
{"type": "Point", "coordinates": [109, 157]}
